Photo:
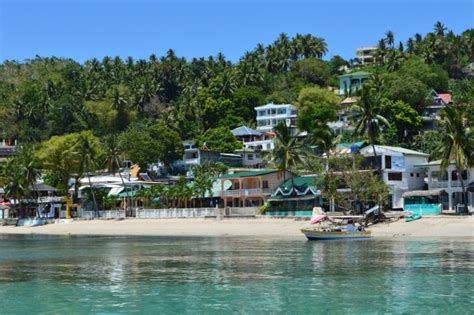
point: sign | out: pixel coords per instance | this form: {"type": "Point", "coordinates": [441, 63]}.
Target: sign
{"type": "Point", "coordinates": [398, 163]}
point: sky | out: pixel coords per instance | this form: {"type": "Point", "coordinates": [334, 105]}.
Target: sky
{"type": "Point", "coordinates": [84, 29]}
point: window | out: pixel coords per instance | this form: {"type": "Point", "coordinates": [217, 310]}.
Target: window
{"type": "Point", "coordinates": [395, 176]}
{"type": "Point", "coordinates": [455, 175]}
{"type": "Point", "coordinates": [294, 112]}
{"type": "Point", "coordinates": [388, 162]}
{"type": "Point", "coordinates": [273, 111]}
{"type": "Point", "coordinates": [274, 122]}
{"type": "Point", "coordinates": [417, 174]}
{"type": "Point", "coordinates": [411, 174]}
{"type": "Point", "coordinates": [261, 113]}
{"type": "Point", "coordinates": [265, 184]}
{"type": "Point", "coordinates": [250, 157]}
{"type": "Point", "coordinates": [281, 111]}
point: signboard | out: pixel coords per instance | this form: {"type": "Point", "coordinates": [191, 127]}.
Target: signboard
{"type": "Point", "coordinates": [398, 163]}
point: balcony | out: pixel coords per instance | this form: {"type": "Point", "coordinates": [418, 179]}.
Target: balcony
{"type": "Point", "coordinates": [246, 192]}
{"type": "Point", "coordinates": [444, 184]}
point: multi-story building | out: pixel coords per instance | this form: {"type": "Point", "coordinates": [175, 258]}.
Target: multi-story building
{"type": "Point", "coordinates": [250, 189]}
{"type": "Point", "coordinates": [351, 82]}
{"type": "Point", "coordinates": [431, 114]}
{"type": "Point", "coordinates": [270, 115]}
{"type": "Point", "coordinates": [399, 167]}
{"type": "Point", "coordinates": [366, 55]}
{"type": "Point", "coordinates": [447, 186]}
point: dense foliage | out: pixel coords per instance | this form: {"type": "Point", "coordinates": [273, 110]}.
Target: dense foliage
{"type": "Point", "coordinates": [143, 109]}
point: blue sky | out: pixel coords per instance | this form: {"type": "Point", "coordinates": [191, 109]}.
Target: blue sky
{"type": "Point", "coordinates": [95, 28]}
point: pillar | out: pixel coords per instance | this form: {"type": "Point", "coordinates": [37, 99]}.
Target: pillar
{"type": "Point", "coordinates": [450, 190]}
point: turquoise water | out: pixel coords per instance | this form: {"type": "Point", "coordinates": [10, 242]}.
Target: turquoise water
{"type": "Point", "coordinates": [112, 275]}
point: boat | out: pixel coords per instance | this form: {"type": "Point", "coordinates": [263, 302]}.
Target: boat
{"type": "Point", "coordinates": [333, 234]}
{"type": "Point", "coordinates": [413, 217]}
{"type": "Point", "coordinates": [31, 222]}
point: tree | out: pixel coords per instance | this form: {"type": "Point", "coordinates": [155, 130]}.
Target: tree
{"type": "Point", "coordinates": [371, 121]}
{"type": "Point", "coordinates": [316, 107]}
{"type": "Point", "coordinates": [457, 143]}
{"type": "Point", "coordinates": [87, 149]}
{"type": "Point", "coordinates": [219, 139]}
{"type": "Point", "coordinates": [20, 175]}
{"type": "Point", "coordinates": [112, 153]}
{"type": "Point", "coordinates": [311, 70]}
{"type": "Point", "coordinates": [288, 154]}
{"type": "Point", "coordinates": [403, 117]}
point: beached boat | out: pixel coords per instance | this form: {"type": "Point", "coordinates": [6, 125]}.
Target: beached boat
{"type": "Point", "coordinates": [31, 222]}
{"type": "Point", "coordinates": [333, 234]}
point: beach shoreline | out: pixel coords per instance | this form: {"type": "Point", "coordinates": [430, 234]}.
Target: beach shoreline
{"type": "Point", "coordinates": [427, 227]}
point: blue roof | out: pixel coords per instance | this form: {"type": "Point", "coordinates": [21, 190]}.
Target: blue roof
{"type": "Point", "coordinates": [245, 131]}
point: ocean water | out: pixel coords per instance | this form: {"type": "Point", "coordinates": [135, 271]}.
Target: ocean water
{"type": "Point", "coordinates": [157, 275]}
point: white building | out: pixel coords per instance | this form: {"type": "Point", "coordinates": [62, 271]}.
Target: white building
{"type": "Point", "coordinates": [366, 55]}
{"type": "Point", "coordinates": [448, 185]}
{"type": "Point", "coordinates": [270, 115]}
{"type": "Point", "coordinates": [399, 169]}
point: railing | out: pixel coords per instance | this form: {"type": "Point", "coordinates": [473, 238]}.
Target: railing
{"type": "Point", "coordinates": [445, 184]}
{"type": "Point", "coordinates": [175, 213]}
{"type": "Point", "coordinates": [246, 192]}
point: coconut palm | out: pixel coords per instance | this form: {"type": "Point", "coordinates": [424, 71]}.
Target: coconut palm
{"type": "Point", "coordinates": [371, 121]}
{"type": "Point", "coordinates": [389, 38]}
{"type": "Point", "coordinates": [457, 143]}
{"type": "Point", "coordinates": [87, 150]}
{"type": "Point", "coordinates": [439, 29]}
{"type": "Point", "coordinates": [288, 154]}
{"type": "Point", "coordinates": [326, 141]}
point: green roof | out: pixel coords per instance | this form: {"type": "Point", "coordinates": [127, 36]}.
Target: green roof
{"type": "Point", "coordinates": [355, 74]}
{"type": "Point", "coordinates": [247, 174]}
{"type": "Point", "coordinates": [300, 183]}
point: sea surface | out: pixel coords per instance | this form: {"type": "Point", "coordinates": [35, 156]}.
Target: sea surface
{"type": "Point", "coordinates": [157, 275]}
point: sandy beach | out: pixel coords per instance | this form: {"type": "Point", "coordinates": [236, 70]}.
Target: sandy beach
{"type": "Point", "coordinates": [435, 226]}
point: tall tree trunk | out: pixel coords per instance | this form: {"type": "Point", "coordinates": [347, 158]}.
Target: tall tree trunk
{"type": "Point", "coordinates": [93, 193]}
{"type": "Point", "coordinates": [464, 194]}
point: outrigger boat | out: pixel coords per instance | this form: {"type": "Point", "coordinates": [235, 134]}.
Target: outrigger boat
{"type": "Point", "coordinates": [333, 234]}
{"type": "Point", "coordinates": [335, 230]}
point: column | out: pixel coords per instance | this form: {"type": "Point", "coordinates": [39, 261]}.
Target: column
{"type": "Point", "coordinates": [450, 190]}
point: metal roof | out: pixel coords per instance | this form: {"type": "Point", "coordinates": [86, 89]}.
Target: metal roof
{"type": "Point", "coordinates": [247, 174]}
{"type": "Point", "coordinates": [245, 131]}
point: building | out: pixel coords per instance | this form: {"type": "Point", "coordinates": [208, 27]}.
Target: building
{"type": "Point", "coordinates": [431, 113]}
{"type": "Point", "coordinates": [270, 115]}
{"type": "Point", "coordinates": [251, 158]}
{"type": "Point", "coordinates": [296, 197]}
{"type": "Point", "coordinates": [366, 55]}
{"type": "Point", "coordinates": [7, 149]}
{"type": "Point", "coordinates": [249, 189]}
{"type": "Point", "coordinates": [194, 156]}
{"type": "Point", "coordinates": [253, 140]}
{"type": "Point", "coordinates": [399, 167]}
{"type": "Point", "coordinates": [448, 186]}
{"type": "Point", "coordinates": [351, 82]}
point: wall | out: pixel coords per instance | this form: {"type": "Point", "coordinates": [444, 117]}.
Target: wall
{"type": "Point", "coordinates": [175, 213]}
{"type": "Point", "coordinates": [108, 214]}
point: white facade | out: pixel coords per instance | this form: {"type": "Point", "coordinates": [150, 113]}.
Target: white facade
{"type": "Point", "coordinates": [270, 115]}
{"type": "Point", "coordinates": [399, 170]}
{"type": "Point", "coordinates": [450, 183]}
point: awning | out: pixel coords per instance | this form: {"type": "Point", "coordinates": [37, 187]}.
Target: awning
{"type": "Point", "coordinates": [295, 198]}
{"type": "Point", "coordinates": [423, 193]}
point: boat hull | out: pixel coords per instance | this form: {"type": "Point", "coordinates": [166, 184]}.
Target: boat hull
{"type": "Point", "coordinates": [321, 235]}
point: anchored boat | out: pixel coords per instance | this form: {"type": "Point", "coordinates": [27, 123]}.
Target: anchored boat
{"type": "Point", "coordinates": [333, 234]}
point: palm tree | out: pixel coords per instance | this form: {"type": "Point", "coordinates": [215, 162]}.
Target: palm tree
{"type": "Point", "coordinates": [288, 154]}
{"type": "Point", "coordinates": [15, 186]}
{"type": "Point", "coordinates": [439, 29]}
{"type": "Point", "coordinates": [371, 121]}
{"type": "Point", "coordinates": [389, 38]}
{"type": "Point", "coordinates": [457, 143]}
{"type": "Point", "coordinates": [326, 141]}
{"type": "Point", "coordinates": [87, 150]}
{"type": "Point", "coordinates": [203, 183]}
{"type": "Point", "coordinates": [112, 153]}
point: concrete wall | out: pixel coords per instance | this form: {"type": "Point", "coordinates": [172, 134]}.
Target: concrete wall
{"type": "Point", "coordinates": [107, 214]}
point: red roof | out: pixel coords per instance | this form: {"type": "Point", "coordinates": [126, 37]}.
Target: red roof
{"type": "Point", "coordinates": [446, 98]}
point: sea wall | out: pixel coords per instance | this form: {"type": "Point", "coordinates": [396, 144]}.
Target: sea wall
{"type": "Point", "coordinates": [104, 214]}
{"type": "Point", "coordinates": [175, 213]}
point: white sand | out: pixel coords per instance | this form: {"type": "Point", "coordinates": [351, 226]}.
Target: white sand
{"type": "Point", "coordinates": [436, 226]}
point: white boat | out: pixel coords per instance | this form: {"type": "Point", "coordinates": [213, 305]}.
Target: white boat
{"type": "Point", "coordinates": [333, 234]}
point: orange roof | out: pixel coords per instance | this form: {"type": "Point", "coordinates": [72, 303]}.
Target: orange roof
{"type": "Point", "coordinates": [446, 98]}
